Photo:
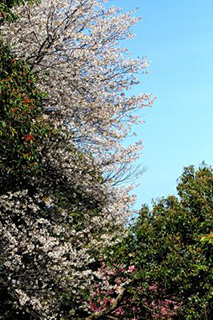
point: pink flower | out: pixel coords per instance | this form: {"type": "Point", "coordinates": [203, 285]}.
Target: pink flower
{"type": "Point", "coordinates": [153, 287]}
{"type": "Point", "coordinates": [118, 311]}
{"type": "Point", "coordinates": [131, 268]}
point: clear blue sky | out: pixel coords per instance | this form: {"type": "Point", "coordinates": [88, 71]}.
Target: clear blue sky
{"type": "Point", "coordinates": [177, 38]}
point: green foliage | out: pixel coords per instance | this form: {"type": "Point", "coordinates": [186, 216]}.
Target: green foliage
{"type": "Point", "coordinates": [6, 12]}
{"type": "Point", "coordinates": [21, 131]}
{"type": "Point", "coordinates": [171, 249]}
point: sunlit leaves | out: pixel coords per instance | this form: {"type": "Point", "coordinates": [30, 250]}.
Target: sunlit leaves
{"type": "Point", "coordinates": [171, 248]}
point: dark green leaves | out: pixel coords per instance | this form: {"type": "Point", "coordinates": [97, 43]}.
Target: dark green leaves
{"type": "Point", "coordinates": [21, 133]}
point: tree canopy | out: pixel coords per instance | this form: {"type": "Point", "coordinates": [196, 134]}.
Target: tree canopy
{"type": "Point", "coordinates": [64, 114]}
{"type": "Point", "coordinates": [66, 251]}
{"type": "Point", "coordinates": [171, 249]}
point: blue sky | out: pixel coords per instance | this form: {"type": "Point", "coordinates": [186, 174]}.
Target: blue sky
{"type": "Point", "coordinates": [177, 38]}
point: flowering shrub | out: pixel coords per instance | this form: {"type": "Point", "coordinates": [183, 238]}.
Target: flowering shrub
{"type": "Point", "coordinates": [113, 281]}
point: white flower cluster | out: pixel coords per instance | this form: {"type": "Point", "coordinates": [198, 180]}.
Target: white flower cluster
{"type": "Point", "coordinates": [43, 257]}
{"type": "Point", "coordinates": [48, 253]}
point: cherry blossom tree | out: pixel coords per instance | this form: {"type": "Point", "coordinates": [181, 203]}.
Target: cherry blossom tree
{"type": "Point", "coordinates": [73, 46]}
{"type": "Point", "coordinates": [59, 203]}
